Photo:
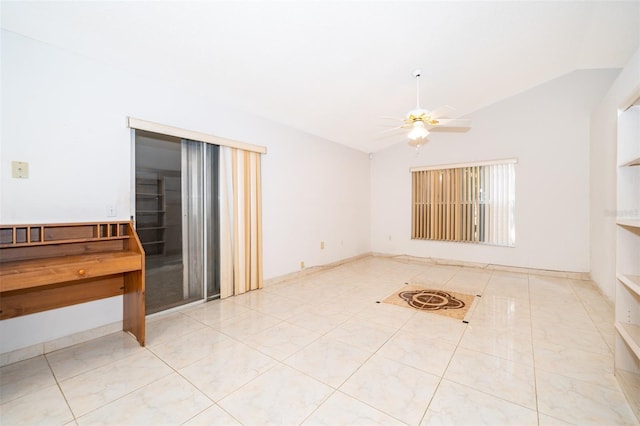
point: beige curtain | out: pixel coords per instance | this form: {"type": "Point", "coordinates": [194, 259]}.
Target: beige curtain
{"type": "Point", "coordinates": [240, 222]}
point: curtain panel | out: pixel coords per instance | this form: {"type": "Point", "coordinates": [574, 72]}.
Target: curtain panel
{"type": "Point", "coordinates": [240, 222]}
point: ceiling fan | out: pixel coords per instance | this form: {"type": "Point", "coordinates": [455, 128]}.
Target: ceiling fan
{"type": "Point", "coordinates": [421, 121]}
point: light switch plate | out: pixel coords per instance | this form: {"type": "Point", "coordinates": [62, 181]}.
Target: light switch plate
{"type": "Point", "coordinates": [20, 169]}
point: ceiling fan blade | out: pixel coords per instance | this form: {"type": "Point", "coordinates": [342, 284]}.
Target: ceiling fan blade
{"type": "Point", "coordinates": [442, 111]}
{"type": "Point", "coordinates": [451, 122]}
{"type": "Point", "coordinates": [392, 118]}
{"type": "Point", "coordinates": [391, 129]}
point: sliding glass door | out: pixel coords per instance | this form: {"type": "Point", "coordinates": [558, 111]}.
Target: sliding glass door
{"type": "Point", "coordinates": [201, 217]}
{"type": "Point", "coordinates": [176, 215]}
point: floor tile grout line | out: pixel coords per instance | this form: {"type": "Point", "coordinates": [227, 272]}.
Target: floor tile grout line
{"type": "Point", "coordinates": [593, 327]}
{"type": "Point", "coordinates": [509, 401]}
{"type": "Point", "coordinates": [213, 402]}
{"type": "Point", "coordinates": [568, 347]}
{"type": "Point", "coordinates": [176, 371]}
{"type": "Point", "coordinates": [362, 365]}
{"type": "Point", "coordinates": [444, 371]}
{"type": "Point", "coordinates": [66, 400]}
{"type": "Point", "coordinates": [502, 358]}
{"type": "Point", "coordinates": [276, 363]}
{"type": "Point", "coordinates": [336, 389]}
{"type": "Point", "coordinates": [59, 382]}
{"type": "Point", "coordinates": [533, 350]}
{"type": "Point", "coordinates": [46, 356]}
{"type": "Point", "coordinates": [590, 316]}
{"type": "Point", "coordinates": [124, 395]}
{"type": "Point", "coordinates": [442, 378]}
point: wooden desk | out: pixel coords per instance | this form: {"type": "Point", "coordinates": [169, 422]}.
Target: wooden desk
{"type": "Point", "coordinates": [50, 266]}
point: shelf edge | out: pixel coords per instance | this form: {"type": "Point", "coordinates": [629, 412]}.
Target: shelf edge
{"type": "Point", "coordinates": [625, 331]}
{"type": "Point", "coordinates": [632, 282]}
{"type": "Point", "coordinates": [631, 163]}
{"type": "Point", "coordinates": [632, 222]}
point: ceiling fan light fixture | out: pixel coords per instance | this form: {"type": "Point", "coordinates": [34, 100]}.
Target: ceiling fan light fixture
{"type": "Point", "coordinates": [418, 132]}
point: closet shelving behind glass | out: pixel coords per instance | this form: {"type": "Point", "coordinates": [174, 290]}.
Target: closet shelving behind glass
{"type": "Point", "coordinates": [627, 322]}
{"type": "Point", "coordinates": [150, 210]}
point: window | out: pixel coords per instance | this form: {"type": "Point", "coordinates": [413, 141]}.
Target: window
{"type": "Point", "coordinates": [473, 203]}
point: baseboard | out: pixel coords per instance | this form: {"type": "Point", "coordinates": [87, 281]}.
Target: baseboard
{"type": "Point", "coordinates": [312, 270]}
{"type": "Point", "coordinates": [583, 276]}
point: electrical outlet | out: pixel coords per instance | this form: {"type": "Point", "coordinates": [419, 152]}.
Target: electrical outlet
{"type": "Point", "coordinates": [321, 245]}
{"type": "Point", "coordinates": [111, 211]}
{"type": "Point", "coordinates": [302, 265]}
{"type": "Point", "coordinates": [19, 169]}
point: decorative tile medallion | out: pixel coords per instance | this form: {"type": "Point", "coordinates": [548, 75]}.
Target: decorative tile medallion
{"type": "Point", "coordinates": [447, 303]}
{"type": "Point", "coordinates": [431, 300]}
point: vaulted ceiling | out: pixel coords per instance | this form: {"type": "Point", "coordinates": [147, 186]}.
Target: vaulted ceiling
{"type": "Point", "coordinates": [334, 68]}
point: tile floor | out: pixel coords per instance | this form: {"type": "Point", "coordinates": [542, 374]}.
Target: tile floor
{"type": "Point", "coordinates": [320, 350]}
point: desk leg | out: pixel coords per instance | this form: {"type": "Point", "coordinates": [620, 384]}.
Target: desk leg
{"type": "Point", "coordinates": [134, 310]}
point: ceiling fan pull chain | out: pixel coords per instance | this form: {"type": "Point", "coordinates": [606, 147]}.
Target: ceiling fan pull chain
{"type": "Point", "coordinates": [417, 74]}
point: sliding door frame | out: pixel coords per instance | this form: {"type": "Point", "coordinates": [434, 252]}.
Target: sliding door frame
{"type": "Point", "coordinates": [149, 126]}
{"type": "Point", "coordinates": [210, 184]}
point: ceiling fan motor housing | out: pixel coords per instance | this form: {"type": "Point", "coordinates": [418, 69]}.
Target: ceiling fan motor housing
{"type": "Point", "coordinates": [418, 114]}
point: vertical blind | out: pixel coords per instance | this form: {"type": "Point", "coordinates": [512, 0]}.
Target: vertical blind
{"type": "Point", "coordinates": [468, 203]}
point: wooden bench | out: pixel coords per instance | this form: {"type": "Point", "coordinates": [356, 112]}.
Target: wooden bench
{"type": "Point", "coordinates": [50, 266]}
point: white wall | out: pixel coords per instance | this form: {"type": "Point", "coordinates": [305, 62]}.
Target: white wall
{"type": "Point", "coordinates": [313, 191]}
{"type": "Point", "coordinates": [66, 116]}
{"type": "Point", "coordinates": [547, 129]}
{"type": "Point", "coordinates": [603, 167]}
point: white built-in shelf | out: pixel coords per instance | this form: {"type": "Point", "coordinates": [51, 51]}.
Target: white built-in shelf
{"type": "Point", "coordinates": [633, 222]}
{"type": "Point", "coordinates": [147, 195]}
{"type": "Point", "coordinates": [633, 162]}
{"type": "Point", "coordinates": [627, 356]}
{"type": "Point", "coordinates": [630, 333]}
{"type": "Point", "coordinates": [632, 282]}
{"type": "Point", "coordinates": [152, 242]}
{"type": "Point", "coordinates": [630, 384]}
{"type": "Point", "coordinates": [150, 228]}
